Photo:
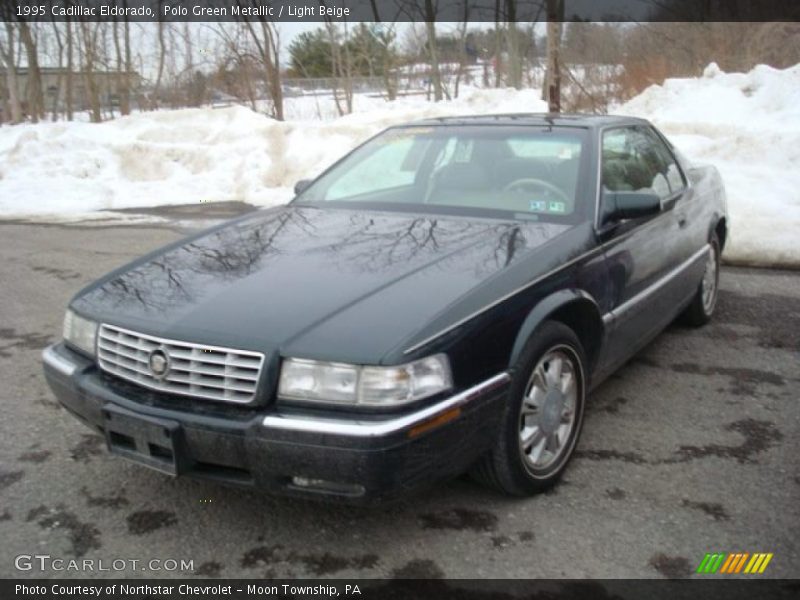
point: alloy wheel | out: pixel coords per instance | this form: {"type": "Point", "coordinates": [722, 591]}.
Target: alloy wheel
{"type": "Point", "coordinates": [710, 279]}
{"type": "Point", "coordinates": [547, 416]}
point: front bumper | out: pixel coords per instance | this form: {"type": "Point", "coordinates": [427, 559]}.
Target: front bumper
{"type": "Point", "coordinates": [279, 451]}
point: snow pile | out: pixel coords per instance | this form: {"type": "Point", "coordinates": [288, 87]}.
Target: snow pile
{"type": "Point", "coordinates": [748, 125]}
{"type": "Point", "coordinates": [50, 170]}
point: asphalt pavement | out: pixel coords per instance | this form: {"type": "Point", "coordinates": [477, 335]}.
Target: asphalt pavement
{"type": "Point", "coordinates": [693, 447]}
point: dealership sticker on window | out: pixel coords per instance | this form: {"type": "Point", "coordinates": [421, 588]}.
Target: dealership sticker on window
{"type": "Point", "coordinates": [557, 207]}
{"type": "Point", "coordinates": [538, 205]}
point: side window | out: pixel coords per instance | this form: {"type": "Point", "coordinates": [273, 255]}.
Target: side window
{"type": "Point", "coordinates": [632, 161]}
{"type": "Point", "coordinates": [672, 170]}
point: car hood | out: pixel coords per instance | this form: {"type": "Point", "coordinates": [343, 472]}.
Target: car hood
{"type": "Point", "coordinates": [328, 283]}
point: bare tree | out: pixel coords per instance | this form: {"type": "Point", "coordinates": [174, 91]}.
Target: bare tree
{"type": "Point", "coordinates": [426, 10]}
{"type": "Point", "coordinates": [513, 43]}
{"type": "Point", "coordinates": [386, 38]}
{"type": "Point", "coordinates": [341, 67]}
{"type": "Point", "coordinates": [389, 64]}
{"type": "Point", "coordinates": [413, 45]}
{"type": "Point", "coordinates": [251, 49]}
{"type": "Point", "coordinates": [90, 56]}
{"type": "Point", "coordinates": [347, 65]}
{"type": "Point", "coordinates": [33, 90]}
{"type": "Point", "coordinates": [267, 42]}
{"type": "Point", "coordinates": [498, 43]}
{"type": "Point", "coordinates": [123, 55]}
{"type": "Point", "coordinates": [69, 85]}
{"type": "Point", "coordinates": [8, 57]}
{"type": "Point", "coordinates": [60, 62]}
{"type": "Point", "coordinates": [772, 43]}
{"type": "Point", "coordinates": [162, 54]}
{"type": "Point", "coordinates": [430, 28]}
{"type": "Point", "coordinates": [462, 50]}
{"type": "Point", "coordinates": [235, 73]}
{"type": "Point", "coordinates": [552, 89]}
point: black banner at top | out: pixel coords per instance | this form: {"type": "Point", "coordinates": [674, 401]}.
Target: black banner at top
{"type": "Point", "coordinates": [400, 10]}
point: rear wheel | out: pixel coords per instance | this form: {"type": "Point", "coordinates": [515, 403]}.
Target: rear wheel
{"type": "Point", "coordinates": [543, 415]}
{"type": "Point", "coordinates": [701, 309]}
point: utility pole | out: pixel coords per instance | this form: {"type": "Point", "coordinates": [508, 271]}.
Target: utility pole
{"type": "Point", "coordinates": [552, 91]}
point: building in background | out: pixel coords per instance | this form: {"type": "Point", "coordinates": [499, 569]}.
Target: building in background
{"type": "Point", "coordinates": [110, 87]}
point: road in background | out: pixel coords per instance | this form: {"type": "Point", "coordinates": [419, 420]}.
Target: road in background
{"type": "Point", "coordinates": [691, 448]}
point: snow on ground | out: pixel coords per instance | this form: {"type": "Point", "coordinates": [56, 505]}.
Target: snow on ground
{"type": "Point", "coordinates": [748, 125]}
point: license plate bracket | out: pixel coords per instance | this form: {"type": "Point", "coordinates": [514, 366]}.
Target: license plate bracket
{"type": "Point", "coordinates": [150, 441]}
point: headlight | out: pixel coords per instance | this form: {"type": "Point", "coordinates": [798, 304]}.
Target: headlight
{"type": "Point", "coordinates": [80, 332]}
{"type": "Point", "coordinates": [340, 383]}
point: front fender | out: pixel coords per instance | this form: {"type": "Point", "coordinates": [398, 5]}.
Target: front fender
{"type": "Point", "coordinates": [543, 309]}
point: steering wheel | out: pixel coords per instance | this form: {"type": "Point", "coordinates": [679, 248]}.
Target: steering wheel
{"type": "Point", "coordinates": [519, 184]}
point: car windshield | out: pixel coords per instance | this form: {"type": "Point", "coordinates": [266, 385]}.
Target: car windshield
{"type": "Point", "coordinates": [508, 171]}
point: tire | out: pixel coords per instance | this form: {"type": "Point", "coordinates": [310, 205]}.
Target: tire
{"type": "Point", "coordinates": [526, 458]}
{"type": "Point", "coordinates": [701, 308]}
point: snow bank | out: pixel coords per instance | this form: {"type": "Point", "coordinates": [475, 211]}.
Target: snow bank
{"type": "Point", "coordinates": [51, 170]}
{"type": "Point", "coordinates": [748, 125]}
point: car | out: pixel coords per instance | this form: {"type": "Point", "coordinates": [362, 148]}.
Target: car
{"type": "Point", "coordinates": [440, 301]}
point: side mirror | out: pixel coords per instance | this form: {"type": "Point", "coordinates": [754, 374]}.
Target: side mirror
{"type": "Point", "coordinates": [629, 205]}
{"type": "Point", "coordinates": [301, 186]}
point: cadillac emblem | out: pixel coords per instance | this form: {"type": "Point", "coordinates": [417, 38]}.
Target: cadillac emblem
{"type": "Point", "coordinates": [159, 363]}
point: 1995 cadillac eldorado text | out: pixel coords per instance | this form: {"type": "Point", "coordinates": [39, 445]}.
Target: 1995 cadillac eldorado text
{"type": "Point", "coordinates": [440, 300]}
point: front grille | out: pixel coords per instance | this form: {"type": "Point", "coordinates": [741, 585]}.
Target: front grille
{"type": "Point", "coordinates": [194, 370]}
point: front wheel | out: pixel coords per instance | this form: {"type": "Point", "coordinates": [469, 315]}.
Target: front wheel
{"type": "Point", "coordinates": [543, 415]}
{"type": "Point", "coordinates": [701, 308]}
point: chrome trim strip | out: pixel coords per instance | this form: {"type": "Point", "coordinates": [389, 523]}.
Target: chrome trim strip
{"type": "Point", "coordinates": [385, 427]}
{"type": "Point", "coordinates": [654, 287]}
{"type": "Point", "coordinates": [54, 360]}
{"type": "Point", "coordinates": [516, 291]}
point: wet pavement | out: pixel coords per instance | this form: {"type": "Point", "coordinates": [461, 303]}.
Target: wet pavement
{"type": "Point", "coordinates": [693, 447]}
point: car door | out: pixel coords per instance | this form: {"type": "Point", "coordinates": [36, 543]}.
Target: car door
{"type": "Point", "coordinates": [643, 254]}
{"type": "Point", "coordinates": [690, 215]}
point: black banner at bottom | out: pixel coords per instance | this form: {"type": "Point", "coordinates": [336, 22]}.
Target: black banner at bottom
{"type": "Point", "coordinates": [397, 589]}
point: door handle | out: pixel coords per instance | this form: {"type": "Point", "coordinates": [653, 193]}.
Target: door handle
{"type": "Point", "coordinates": [682, 221]}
